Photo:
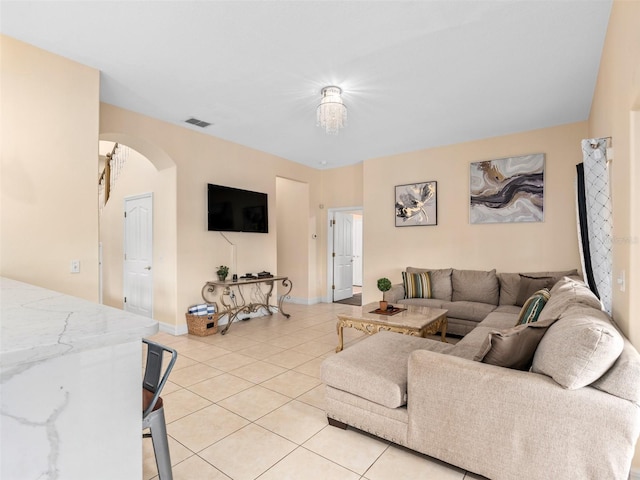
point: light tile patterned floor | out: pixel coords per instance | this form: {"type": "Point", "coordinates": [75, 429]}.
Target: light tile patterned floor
{"type": "Point", "coordinates": [249, 405]}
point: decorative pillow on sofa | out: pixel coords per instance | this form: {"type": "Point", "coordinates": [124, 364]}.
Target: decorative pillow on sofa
{"type": "Point", "coordinates": [440, 281]}
{"type": "Point", "coordinates": [530, 285]}
{"type": "Point", "coordinates": [514, 347]}
{"type": "Point", "coordinates": [578, 349]}
{"type": "Point", "coordinates": [475, 286]}
{"type": "Point", "coordinates": [533, 306]}
{"type": "Point", "coordinates": [416, 285]}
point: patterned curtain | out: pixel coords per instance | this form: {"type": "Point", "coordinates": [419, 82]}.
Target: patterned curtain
{"type": "Point", "coordinates": [595, 219]}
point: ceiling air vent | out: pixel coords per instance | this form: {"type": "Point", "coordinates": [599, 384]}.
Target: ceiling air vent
{"type": "Point", "coordinates": [197, 123]}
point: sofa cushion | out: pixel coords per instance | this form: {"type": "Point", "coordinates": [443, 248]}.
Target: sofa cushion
{"type": "Point", "coordinates": [475, 311]}
{"type": "Point", "coordinates": [565, 293]}
{"type": "Point", "coordinates": [502, 317]}
{"type": "Point", "coordinates": [579, 348]}
{"type": "Point", "coordinates": [510, 283]}
{"type": "Point", "coordinates": [529, 285]}
{"type": "Point", "coordinates": [512, 309]}
{"type": "Point", "coordinates": [475, 286]}
{"type": "Point", "coordinates": [621, 379]}
{"type": "Point", "coordinates": [423, 302]}
{"type": "Point", "coordinates": [513, 347]}
{"type": "Point", "coordinates": [416, 285]}
{"type": "Point", "coordinates": [376, 367]}
{"type": "Point", "coordinates": [533, 306]}
{"type": "Point", "coordinates": [440, 281]}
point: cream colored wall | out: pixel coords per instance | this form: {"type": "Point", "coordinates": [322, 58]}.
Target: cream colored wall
{"type": "Point", "coordinates": [49, 123]}
{"type": "Point", "coordinates": [341, 188]}
{"type": "Point", "coordinates": [202, 159]}
{"type": "Point", "coordinates": [293, 236]}
{"type": "Point", "coordinates": [617, 95]}
{"type": "Point", "coordinates": [615, 112]}
{"type": "Point", "coordinates": [140, 176]}
{"type": "Point", "coordinates": [548, 245]}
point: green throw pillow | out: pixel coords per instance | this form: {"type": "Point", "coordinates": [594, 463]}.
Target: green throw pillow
{"type": "Point", "coordinates": [533, 306]}
{"type": "Point", "coordinates": [416, 285]}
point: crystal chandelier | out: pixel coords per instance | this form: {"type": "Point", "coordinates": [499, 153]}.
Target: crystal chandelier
{"type": "Point", "coordinates": [331, 114]}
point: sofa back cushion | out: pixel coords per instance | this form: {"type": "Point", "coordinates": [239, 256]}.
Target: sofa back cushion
{"type": "Point", "coordinates": [510, 283]}
{"type": "Point", "coordinates": [475, 286]}
{"type": "Point", "coordinates": [440, 281]}
{"type": "Point", "coordinates": [566, 293]}
{"type": "Point", "coordinates": [578, 348]}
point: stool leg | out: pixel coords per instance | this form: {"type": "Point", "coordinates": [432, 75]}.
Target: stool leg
{"type": "Point", "coordinates": [161, 444]}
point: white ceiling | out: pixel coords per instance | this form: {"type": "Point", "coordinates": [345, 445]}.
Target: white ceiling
{"type": "Point", "coordinates": [415, 74]}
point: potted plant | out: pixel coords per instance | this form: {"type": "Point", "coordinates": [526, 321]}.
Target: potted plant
{"type": "Point", "coordinates": [222, 272]}
{"type": "Point", "coordinates": [384, 284]}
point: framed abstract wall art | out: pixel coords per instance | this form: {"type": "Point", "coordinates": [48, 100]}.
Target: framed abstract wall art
{"type": "Point", "coordinates": [416, 204]}
{"type": "Point", "coordinates": [507, 190]}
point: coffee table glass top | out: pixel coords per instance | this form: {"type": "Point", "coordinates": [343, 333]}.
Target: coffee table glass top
{"type": "Point", "coordinates": [414, 316]}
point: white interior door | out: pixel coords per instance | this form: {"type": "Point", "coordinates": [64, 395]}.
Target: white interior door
{"type": "Point", "coordinates": [138, 255]}
{"type": "Point", "coordinates": [357, 250]}
{"type": "Point", "coordinates": [343, 256]}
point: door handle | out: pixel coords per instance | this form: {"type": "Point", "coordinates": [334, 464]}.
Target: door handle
{"type": "Point", "coordinates": [147, 268]}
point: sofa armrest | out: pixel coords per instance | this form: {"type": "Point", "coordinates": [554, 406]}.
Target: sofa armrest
{"type": "Point", "coordinates": [396, 293]}
{"type": "Point", "coordinates": [499, 422]}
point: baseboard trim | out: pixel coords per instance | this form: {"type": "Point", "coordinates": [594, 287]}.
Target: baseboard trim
{"type": "Point", "coordinates": [173, 329]}
{"type": "Point", "coordinates": [634, 474]}
{"type": "Point", "coordinates": [303, 301]}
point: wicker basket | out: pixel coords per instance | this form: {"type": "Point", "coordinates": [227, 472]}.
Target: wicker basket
{"type": "Point", "coordinates": [203, 325]}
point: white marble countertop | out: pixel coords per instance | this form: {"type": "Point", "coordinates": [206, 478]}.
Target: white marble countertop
{"type": "Point", "coordinates": [38, 324]}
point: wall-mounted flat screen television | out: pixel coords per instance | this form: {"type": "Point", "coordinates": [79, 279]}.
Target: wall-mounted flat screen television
{"type": "Point", "coordinates": [236, 210]}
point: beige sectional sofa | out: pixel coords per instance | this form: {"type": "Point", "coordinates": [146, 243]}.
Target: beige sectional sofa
{"type": "Point", "coordinates": [470, 295]}
{"type": "Point", "coordinates": [573, 414]}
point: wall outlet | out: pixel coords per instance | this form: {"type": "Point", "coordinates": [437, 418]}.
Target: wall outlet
{"type": "Point", "coordinates": [75, 266]}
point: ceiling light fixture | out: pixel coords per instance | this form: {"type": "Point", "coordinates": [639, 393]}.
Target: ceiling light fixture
{"type": "Point", "coordinates": [331, 114]}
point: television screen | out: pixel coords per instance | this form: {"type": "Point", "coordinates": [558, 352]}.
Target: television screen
{"type": "Point", "coordinates": [236, 210]}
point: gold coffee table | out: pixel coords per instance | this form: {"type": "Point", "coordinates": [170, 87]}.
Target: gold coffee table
{"type": "Point", "coordinates": [415, 320]}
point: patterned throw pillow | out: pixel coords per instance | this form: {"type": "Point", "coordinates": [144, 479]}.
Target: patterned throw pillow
{"type": "Point", "coordinates": [416, 285]}
{"type": "Point", "coordinates": [533, 306]}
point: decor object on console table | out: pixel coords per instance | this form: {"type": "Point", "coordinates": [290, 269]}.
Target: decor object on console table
{"type": "Point", "coordinates": [232, 290]}
{"type": "Point", "coordinates": [384, 285]}
{"type": "Point", "coordinates": [222, 272]}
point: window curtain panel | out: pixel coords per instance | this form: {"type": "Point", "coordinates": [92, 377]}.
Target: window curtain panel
{"type": "Point", "coordinates": [595, 219]}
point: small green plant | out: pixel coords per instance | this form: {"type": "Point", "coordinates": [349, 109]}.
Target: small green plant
{"type": "Point", "coordinates": [384, 284]}
{"type": "Point", "coordinates": [223, 271]}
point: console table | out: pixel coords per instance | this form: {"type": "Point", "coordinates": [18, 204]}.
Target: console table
{"type": "Point", "coordinates": [231, 290]}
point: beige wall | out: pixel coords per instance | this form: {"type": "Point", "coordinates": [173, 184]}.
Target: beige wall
{"type": "Point", "coordinates": [202, 159]}
{"type": "Point", "coordinates": [49, 123]}
{"type": "Point", "coordinates": [615, 112]}
{"type": "Point", "coordinates": [341, 188]}
{"type": "Point", "coordinates": [616, 97]}
{"type": "Point", "coordinates": [293, 236]}
{"type": "Point", "coordinates": [140, 176]}
{"type": "Point", "coordinates": [548, 245]}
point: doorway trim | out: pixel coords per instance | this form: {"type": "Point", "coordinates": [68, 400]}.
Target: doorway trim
{"type": "Point", "coordinates": [330, 217]}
